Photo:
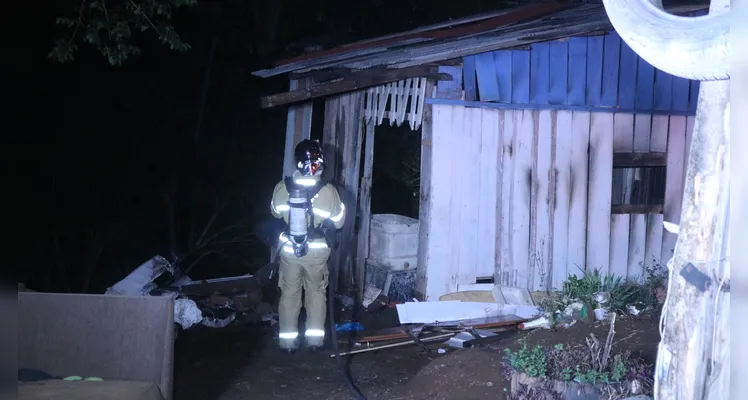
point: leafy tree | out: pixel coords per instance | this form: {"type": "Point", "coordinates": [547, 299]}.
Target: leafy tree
{"type": "Point", "coordinates": [110, 25]}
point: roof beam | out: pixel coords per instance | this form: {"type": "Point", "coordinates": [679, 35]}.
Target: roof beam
{"type": "Point", "coordinates": [353, 81]}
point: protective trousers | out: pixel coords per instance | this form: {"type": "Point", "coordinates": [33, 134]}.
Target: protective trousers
{"type": "Point", "coordinates": [310, 274]}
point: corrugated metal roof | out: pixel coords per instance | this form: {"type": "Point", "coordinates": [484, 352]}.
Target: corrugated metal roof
{"type": "Point", "coordinates": [454, 39]}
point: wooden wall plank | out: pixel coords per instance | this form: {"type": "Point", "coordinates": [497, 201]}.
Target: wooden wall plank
{"type": "Point", "coordinates": [611, 61]}
{"type": "Point", "coordinates": [298, 126]}
{"type": "Point", "coordinates": [438, 258]}
{"type": "Point", "coordinates": [469, 78]}
{"type": "Point", "coordinates": [642, 129]}
{"type": "Point", "coordinates": [488, 86]}
{"type": "Point", "coordinates": [510, 125]}
{"type": "Point", "coordinates": [623, 141]}
{"type": "Point", "coordinates": [470, 160]}
{"type": "Point", "coordinates": [644, 85]}
{"type": "Point", "coordinates": [627, 78]}
{"type": "Point", "coordinates": [520, 76]}
{"type": "Point", "coordinates": [540, 73]}
{"type": "Point", "coordinates": [658, 143]}
{"type": "Point", "coordinates": [499, 222]}
{"type": "Point", "coordinates": [619, 244]}
{"type": "Point", "coordinates": [503, 62]}
{"type": "Point", "coordinates": [559, 59]}
{"type": "Point", "coordinates": [488, 174]}
{"type": "Point", "coordinates": [693, 95]}
{"type": "Point", "coordinates": [681, 88]}
{"type": "Point", "coordinates": [342, 136]}
{"type": "Point", "coordinates": [637, 246]}
{"type": "Point", "coordinates": [540, 227]}
{"type": "Point", "coordinates": [593, 91]}
{"type": "Point", "coordinates": [653, 251]}
{"type": "Point", "coordinates": [623, 133]}
{"type": "Point", "coordinates": [562, 192]}
{"type": "Point", "coordinates": [600, 184]}
{"type": "Point", "coordinates": [638, 224]}
{"type": "Point", "coordinates": [578, 185]}
{"type": "Point", "coordinates": [450, 89]}
{"type": "Point", "coordinates": [425, 203]}
{"type": "Point", "coordinates": [458, 144]}
{"type": "Point", "coordinates": [673, 181]}
{"type": "Point", "coordinates": [364, 204]}
{"type": "Point", "coordinates": [577, 71]}
{"type": "Point", "coordinates": [521, 191]}
{"type": "Point", "coordinates": [663, 90]}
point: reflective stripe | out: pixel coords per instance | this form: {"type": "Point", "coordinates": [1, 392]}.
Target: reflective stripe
{"type": "Point", "coordinates": [322, 213]}
{"type": "Point", "coordinates": [326, 214]}
{"type": "Point", "coordinates": [282, 207]}
{"type": "Point", "coordinates": [314, 332]}
{"type": "Point", "coordinates": [305, 181]}
{"type": "Point", "coordinates": [288, 335]}
{"type": "Point", "coordinates": [338, 217]}
{"type": "Point", "coordinates": [313, 245]}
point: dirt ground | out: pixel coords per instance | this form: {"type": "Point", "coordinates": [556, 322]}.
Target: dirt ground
{"type": "Point", "coordinates": [242, 362]}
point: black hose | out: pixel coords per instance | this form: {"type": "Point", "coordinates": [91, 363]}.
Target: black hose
{"type": "Point", "coordinates": [334, 336]}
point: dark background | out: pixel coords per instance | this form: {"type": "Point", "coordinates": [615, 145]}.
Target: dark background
{"type": "Point", "coordinates": [110, 165]}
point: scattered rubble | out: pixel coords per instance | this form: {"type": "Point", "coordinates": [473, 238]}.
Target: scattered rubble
{"type": "Point", "coordinates": [214, 303]}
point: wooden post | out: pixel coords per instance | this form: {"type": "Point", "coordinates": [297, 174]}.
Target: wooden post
{"type": "Point", "coordinates": [693, 360]}
{"type": "Point", "coordinates": [298, 126]}
{"type": "Point", "coordinates": [425, 202]}
{"type": "Point", "coordinates": [364, 208]}
{"type": "Point", "coordinates": [341, 142]}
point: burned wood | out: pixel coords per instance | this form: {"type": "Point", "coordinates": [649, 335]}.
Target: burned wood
{"type": "Point", "coordinates": [636, 160]}
{"type": "Point", "coordinates": [636, 209]}
{"type": "Point", "coordinates": [356, 81]}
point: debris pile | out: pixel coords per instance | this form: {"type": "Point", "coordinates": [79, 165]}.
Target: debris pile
{"type": "Point", "coordinates": [214, 303]}
{"type": "Point", "coordinates": [458, 320]}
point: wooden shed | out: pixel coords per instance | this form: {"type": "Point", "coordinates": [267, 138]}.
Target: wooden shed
{"type": "Point", "coordinates": [548, 145]}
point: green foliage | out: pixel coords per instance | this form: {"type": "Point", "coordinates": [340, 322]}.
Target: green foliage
{"type": "Point", "coordinates": [110, 27]}
{"type": "Point", "coordinates": [591, 376]}
{"type": "Point", "coordinates": [532, 362]}
{"type": "Point", "coordinates": [619, 369]}
{"type": "Point", "coordinates": [654, 277]}
{"type": "Point", "coordinates": [592, 281]}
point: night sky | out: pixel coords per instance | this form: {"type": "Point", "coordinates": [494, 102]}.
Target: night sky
{"type": "Point", "coordinates": [105, 158]}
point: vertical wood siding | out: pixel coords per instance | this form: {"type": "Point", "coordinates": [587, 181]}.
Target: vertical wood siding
{"type": "Point", "coordinates": [599, 72]}
{"type": "Point", "coordinates": [525, 195]}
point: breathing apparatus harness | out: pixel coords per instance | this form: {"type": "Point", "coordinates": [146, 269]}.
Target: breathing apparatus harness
{"type": "Point", "coordinates": [299, 232]}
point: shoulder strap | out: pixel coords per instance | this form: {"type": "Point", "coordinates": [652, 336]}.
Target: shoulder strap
{"type": "Point", "coordinates": [316, 188]}
{"type": "Point", "coordinates": [289, 183]}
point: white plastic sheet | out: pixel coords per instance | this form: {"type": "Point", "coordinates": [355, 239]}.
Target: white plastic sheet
{"type": "Point", "coordinates": [186, 313]}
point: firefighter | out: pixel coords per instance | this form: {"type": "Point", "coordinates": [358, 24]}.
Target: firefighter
{"type": "Point", "coordinates": [313, 211]}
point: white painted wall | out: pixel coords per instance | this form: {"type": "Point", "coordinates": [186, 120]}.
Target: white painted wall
{"type": "Point", "coordinates": [526, 196]}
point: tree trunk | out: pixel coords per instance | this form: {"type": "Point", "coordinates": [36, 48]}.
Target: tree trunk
{"type": "Point", "coordinates": [693, 356]}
